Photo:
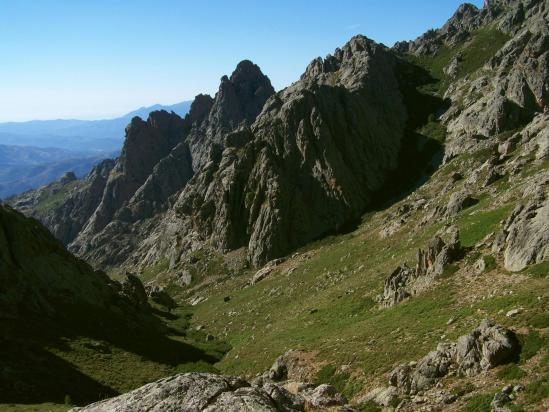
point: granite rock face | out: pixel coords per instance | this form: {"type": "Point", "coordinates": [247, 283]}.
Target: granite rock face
{"type": "Point", "coordinates": [526, 235]}
{"type": "Point", "coordinates": [269, 172]}
{"type": "Point", "coordinates": [486, 347]}
{"type": "Point", "coordinates": [513, 85]}
{"type": "Point", "coordinates": [145, 145]}
{"type": "Point", "coordinates": [458, 201]}
{"type": "Point", "coordinates": [66, 221]}
{"type": "Point", "coordinates": [209, 392]}
{"type": "Point", "coordinates": [159, 157]}
{"type": "Point", "coordinates": [509, 89]}
{"type": "Point", "coordinates": [252, 169]}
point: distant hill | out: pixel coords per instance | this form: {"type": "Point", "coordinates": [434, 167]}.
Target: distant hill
{"type": "Point", "coordinates": [78, 135]}
{"type": "Point", "coordinates": [38, 152]}
{"type": "Point", "coordinates": [25, 167]}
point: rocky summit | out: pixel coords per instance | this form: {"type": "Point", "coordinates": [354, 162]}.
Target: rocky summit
{"type": "Point", "coordinates": [373, 237]}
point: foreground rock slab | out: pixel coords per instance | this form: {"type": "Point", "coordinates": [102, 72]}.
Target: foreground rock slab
{"type": "Point", "coordinates": [195, 392]}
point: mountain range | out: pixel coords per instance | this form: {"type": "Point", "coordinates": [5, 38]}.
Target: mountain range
{"type": "Point", "coordinates": [373, 237]}
{"type": "Point", "coordinates": [35, 153]}
{"type": "Point", "coordinates": [78, 135]}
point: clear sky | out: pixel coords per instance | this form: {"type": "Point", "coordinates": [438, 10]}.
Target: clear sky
{"type": "Point", "coordinates": [101, 58]}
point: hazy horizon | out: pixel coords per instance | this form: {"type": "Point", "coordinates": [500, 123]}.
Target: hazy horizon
{"type": "Point", "coordinates": [100, 60]}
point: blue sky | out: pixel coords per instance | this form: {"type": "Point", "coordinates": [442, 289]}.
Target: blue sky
{"type": "Point", "coordinates": [101, 58]}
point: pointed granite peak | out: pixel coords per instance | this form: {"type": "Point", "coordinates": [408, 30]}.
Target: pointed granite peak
{"type": "Point", "coordinates": [343, 67]}
{"type": "Point", "coordinates": [240, 97]}
{"type": "Point", "coordinates": [200, 107]}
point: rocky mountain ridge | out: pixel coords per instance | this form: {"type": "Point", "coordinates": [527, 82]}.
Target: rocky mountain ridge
{"type": "Point", "coordinates": [224, 175]}
{"type": "Point", "coordinates": [232, 161]}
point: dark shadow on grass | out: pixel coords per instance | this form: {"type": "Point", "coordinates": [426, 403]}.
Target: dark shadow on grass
{"type": "Point", "coordinates": [164, 314]}
{"type": "Point", "coordinates": [34, 375]}
{"type": "Point", "coordinates": [31, 373]}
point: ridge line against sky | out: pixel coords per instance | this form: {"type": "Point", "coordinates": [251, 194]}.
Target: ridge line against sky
{"type": "Point", "coordinates": [103, 58]}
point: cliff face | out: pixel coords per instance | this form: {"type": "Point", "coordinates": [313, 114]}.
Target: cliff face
{"type": "Point", "coordinates": [248, 168]}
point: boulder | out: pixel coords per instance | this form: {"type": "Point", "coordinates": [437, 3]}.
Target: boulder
{"type": "Point", "coordinates": [265, 271]}
{"type": "Point", "coordinates": [417, 377]}
{"type": "Point", "coordinates": [486, 347]}
{"type": "Point", "coordinates": [159, 295]}
{"type": "Point", "coordinates": [293, 365]}
{"type": "Point", "coordinates": [432, 367]}
{"type": "Point", "coordinates": [381, 396]}
{"type": "Point", "coordinates": [324, 396]}
{"type": "Point", "coordinates": [507, 147]}
{"type": "Point", "coordinates": [525, 235]}
{"type": "Point", "coordinates": [459, 201]}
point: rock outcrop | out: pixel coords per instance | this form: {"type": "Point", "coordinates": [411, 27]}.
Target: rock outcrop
{"type": "Point", "coordinates": [145, 145]}
{"type": "Point", "coordinates": [293, 365]}
{"type": "Point", "coordinates": [484, 348]}
{"type": "Point", "coordinates": [160, 296]}
{"type": "Point", "coordinates": [513, 85]}
{"type": "Point", "coordinates": [208, 392]}
{"type": "Point", "coordinates": [249, 168]}
{"type": "Point", "coordinates": [405, 282]}
{"type": "Point", "coordinates": [104, 222]}
{"type": "Point", "coordinates": [67, 220]}
{"type": "Point", "coordinates": [524, 238]}
{"type": "Point", "coordinates": [134, 291]}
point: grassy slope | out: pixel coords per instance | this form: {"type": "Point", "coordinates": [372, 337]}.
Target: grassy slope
{"type": "Point", "coordinates": [327, 303]}
{"type": "Point", "coordinates": [475, 52]}
{"type": "Point", "coordinates": [54, 200]}
{"type": "Point", "coordinates": [92, 359]}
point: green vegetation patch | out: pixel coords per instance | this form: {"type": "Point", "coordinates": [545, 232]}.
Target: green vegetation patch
{"type": "Point", "coordinates": [55, 200]}
{"type": "Point", "coordinates": [474, 53]}
{"type": "Point", "coordinates": [339, 380]}
{"type": "Point", "coordinates": [479, 403]}
{"type": "Point", "coordinates": [484, 44]}
{"type": "Point", "coordinates": [475, 226]}
{"type": "Point", "coordinates": [531, 344]}
{"type": "Point", "coordinates": [539, 320]}
{"type": "Point", "coordinates": [537, 390]}
{"type": "Point", "coordinates": [463, 389]}
{"type": "Point", "coordinates": [541, 270]}
{"type": "Point", "coordinates": [511, 372]}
